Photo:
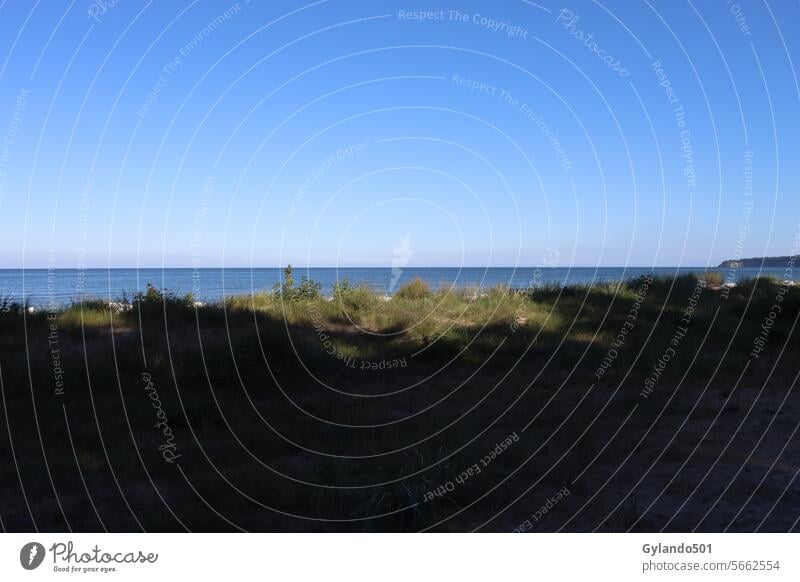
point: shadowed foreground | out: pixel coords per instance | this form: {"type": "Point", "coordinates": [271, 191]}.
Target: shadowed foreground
{"type": "Point", "coordinates": [658, 404]}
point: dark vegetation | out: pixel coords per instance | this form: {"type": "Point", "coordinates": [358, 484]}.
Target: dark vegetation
{"type": "Point", "coordinates": [289, 411]}
{"type": "Point", "coordinates": [759, 263]}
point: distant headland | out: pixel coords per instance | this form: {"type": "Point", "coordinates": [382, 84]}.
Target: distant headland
{"type": "Point", "coordinates": [768, 262]}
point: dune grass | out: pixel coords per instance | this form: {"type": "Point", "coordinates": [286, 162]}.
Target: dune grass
{"type": "Point", "coordinates": [267, 366]}
{"type": "Point", "coordinates": [416, 314]}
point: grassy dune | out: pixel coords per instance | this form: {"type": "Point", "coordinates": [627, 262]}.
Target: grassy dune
{"type": "Point", "coordinates": [287, 410]}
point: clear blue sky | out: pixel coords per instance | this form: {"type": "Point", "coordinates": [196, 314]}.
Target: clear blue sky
{"type": "Point", "coordinates": [352, 133]}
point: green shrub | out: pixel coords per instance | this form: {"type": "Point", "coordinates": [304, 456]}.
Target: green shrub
{"type": "Point", "coordinates": [307, 289]}
{"type": "Point", "coordinates": [154, 298]}
{"type": "Point", "coordinates": [353, 299]}
{"type": "Point", "coordinates": [415, 289]}
{"type": "Point", "coordinates": [285, 288]}
{"type": "Point", "coordinates": [340, 287]}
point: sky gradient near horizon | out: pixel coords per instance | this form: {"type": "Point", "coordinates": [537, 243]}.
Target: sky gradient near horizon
{"type": "Point", "coordinates": [412, 133]}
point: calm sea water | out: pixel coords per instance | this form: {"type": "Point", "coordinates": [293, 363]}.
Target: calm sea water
{"type": "Point", "coordinates": [61, 286]}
